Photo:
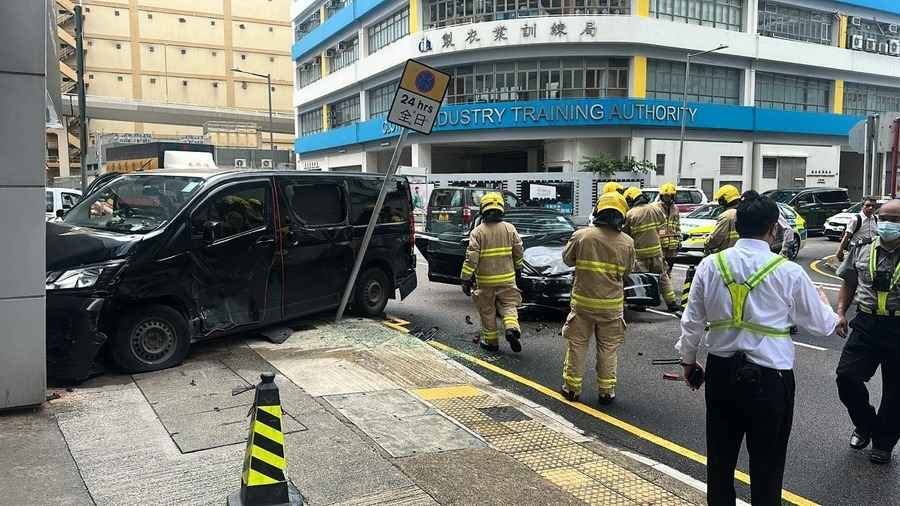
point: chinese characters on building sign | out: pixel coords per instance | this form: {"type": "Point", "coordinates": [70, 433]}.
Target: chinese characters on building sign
{"type": "Point", "coordinates": [500, 33]}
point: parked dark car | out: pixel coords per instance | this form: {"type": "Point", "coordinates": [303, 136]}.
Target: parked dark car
{"type": "Point", "coordinates": [154, 261]}
{"type": "Point", "coordinates": [816, 205]}
{"type": "Point", "coordinates": [546, 280]}
{"type": "Point", "coordinates": [454, 209]}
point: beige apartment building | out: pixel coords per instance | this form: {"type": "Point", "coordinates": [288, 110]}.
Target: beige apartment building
{"type": "Point", "coordinates": [174, 52]}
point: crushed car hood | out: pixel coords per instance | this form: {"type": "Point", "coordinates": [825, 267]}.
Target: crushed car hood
{"type": "Point", "coordinates": [69, 246]}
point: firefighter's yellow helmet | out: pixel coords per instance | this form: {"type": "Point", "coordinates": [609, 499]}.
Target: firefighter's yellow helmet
{"type": "Point", "coordinates": [613, 186]}
{"type": "Point", "coordinates": [632, 193]}
{"type": "Point", "coordinates": [492, 200]}
{"type": "Point", "coordinates": [612, 200]}
{"type": "Point", "coordinates": [727, 192]}
{"type": "Point", "coordinates": [667, 189]}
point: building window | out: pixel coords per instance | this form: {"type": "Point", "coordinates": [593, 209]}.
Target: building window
{"type": "Point", "coordinates": [687, 181]}
{"type": "Point", "coordinates": [344, 54]}
{"type": "Point", "coordinates": [454, 12]}
{"type": "Point", "coordinates": [660, 164]}
{"type": "Point", "coordinates": [731, 165]}
{"type": "Point", "coordinates": [309, 72]}
{"type": "Point", "coordinates": [737, 184]}
{"type": "Point", "coordinates": [333, 6]}
{"type": "Point", "coordinates": [769, 167]}
{"type": "Point", "coordinates": [709, 84]}
{"type": "Point", "coordinates": [380, 99]}
{"type": "Point", "coordinates": [308, 24]}
{"type": "Point", "coordinates": [311, 122]}
{"type": "Point", "coordinates": [792, 93]}
{"type": "Point", "coordinates": [344, 112]}
{"type": "Point", "coordinates": [796, 23]}
{"type": "Point", "coordinates": [725, 14]}
{"type": "Point", "coordinates": [389, 29]}
{"type": "Point", "coordinates": [538, 79]}
{"type": "Point", "coordinates": [864, 99]}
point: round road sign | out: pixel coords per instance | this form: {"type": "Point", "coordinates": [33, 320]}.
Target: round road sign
{"type": "Point", "coordinates": [425, 81]}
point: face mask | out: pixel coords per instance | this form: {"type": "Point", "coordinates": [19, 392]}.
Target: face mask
{"type": "Point", "coordinates": [889, 231]}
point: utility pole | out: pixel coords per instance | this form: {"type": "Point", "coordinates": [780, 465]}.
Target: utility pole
{"type": "Point", "coordinates": [82, 106]}
{"type": "Point", "coordinates": [687, 76]}
{"type": "Point", "coordinates": [268, 77]}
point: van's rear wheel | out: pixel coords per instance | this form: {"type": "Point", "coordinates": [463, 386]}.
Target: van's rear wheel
{"type": "Point", "coordinates": [149, 339]}
{"type": "Point", "coordinates": [372, 291]}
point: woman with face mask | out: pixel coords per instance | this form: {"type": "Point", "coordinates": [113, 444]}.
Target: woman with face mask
{"type": "Point", "coordinates": [871, 273]}
{"type": "Point", "coordinates": [743, 301]}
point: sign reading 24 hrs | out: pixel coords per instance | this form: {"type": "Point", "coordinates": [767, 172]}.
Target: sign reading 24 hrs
{"type": "Point", "coordinates": [419, 97]}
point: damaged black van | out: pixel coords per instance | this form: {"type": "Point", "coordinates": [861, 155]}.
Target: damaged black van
{"type": "Point", "coordinates": [153, 261]}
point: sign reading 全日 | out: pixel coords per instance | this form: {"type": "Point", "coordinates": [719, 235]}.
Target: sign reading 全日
{"type": "Point", "coordinates": [419, 97]}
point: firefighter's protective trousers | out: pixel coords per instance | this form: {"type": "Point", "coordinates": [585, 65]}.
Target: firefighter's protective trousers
{"type": "Point", "coordinates": [493, 256]}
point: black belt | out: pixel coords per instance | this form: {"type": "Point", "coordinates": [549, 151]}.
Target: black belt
{"type": "Point", "coordinates": [872, 312]}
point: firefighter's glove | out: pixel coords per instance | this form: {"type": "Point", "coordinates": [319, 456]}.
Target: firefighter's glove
{"type": "Point", "coordinates": [467, 287]}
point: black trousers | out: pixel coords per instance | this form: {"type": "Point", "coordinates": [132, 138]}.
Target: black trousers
{"type": "Point", "coordinates": [764, 415]}
{"type": "Point", "coordinates": [874, 342]}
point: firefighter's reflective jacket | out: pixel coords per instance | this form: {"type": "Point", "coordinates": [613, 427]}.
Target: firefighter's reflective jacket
{"type": "Point", "coordinates": [494, 254]}
{"type": "Point", "coordinates": [601, 257]}
{"type": "Point", "coordinates": [643, 223]}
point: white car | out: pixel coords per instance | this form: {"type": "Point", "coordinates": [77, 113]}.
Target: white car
{"type": "Point", "coordinates": [835, 225]}
{"type": "Point", "coordinates": [687, 198]}
{"type": "Point", "coordinates": [699, 224]}
{"type": "Point", "coordinates": [60, 199]}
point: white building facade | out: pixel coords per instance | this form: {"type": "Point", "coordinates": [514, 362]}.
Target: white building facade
{"type": "Point", "coordinates": [539, 85]}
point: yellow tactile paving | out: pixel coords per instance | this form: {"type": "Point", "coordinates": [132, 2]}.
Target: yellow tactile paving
{"type": "Point", "coordinates": [452, 392]}
{"type": "Point", "coordinates": [586, 475]}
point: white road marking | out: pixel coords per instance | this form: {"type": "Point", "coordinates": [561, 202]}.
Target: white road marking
{"type": "Point", "coordinates": [810, 346]}
{"type": "Point", "coordinates": [649, 310]}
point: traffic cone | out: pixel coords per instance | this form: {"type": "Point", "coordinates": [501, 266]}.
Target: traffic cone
{"type": "Point", "coordinates": [686, 287]}
{"type": "Point", "coordinates": [264, 479]}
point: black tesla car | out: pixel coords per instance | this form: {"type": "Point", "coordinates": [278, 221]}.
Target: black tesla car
{"type": "Point", "coordinates": [546, 280]}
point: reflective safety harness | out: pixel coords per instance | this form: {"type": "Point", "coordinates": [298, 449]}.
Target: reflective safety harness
{"type": "Point", "coordinates": [739, 293]}
{"type": "Point", "coordinates": [881, 310]}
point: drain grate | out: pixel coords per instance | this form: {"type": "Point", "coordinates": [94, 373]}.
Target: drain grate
{"type": "Point", "coordinates": [505, 414]}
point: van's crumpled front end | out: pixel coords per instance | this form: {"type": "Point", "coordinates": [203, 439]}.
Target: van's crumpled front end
{"type": "Point", "coordinates": [73, 336]}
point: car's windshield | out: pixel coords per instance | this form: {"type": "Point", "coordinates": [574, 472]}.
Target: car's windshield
{"type": "Point", "coordinates": [539, 223]}
{"type": "Point", "coordinates": [706, 212]}
{"type": "Point", "coordinates": [134, 203]}
{"type": "Point", "coordinates": [783, 196]}
{"type": "Point", "coordinates": [509, 199]}
{"type": "Point", "coordinates": [787, 212]}
{"type": "Point", "coordinates": [650, 194]}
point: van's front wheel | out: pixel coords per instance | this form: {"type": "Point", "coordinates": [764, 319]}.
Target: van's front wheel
{"type": "Point", "coordinates": [149, 339]}
{"type": "Point", "coordinates": [372, 291]}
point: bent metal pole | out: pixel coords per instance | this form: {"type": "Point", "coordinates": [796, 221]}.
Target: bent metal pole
{"type": "Point", "coordinates": [376, 211]}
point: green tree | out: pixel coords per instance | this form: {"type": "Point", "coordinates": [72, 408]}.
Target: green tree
{"type": "Point", "coordinates": [604, 166]}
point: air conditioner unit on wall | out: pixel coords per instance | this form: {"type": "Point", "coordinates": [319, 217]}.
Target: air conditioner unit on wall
{"type": "Point", "coordinates": [240, 163]}
{"type": "Point", "coordinates": [345, 45]}
{"type": "Point", "coordinates": [856, 21]}
{"type": "Point", "coordinates": [893, 28]}
{"type": "Point", "coordinates": [894, 47]}
{"type": "Point", "coordinates": [330, 52]}
{"type": "Point", "coordinates": [266, 163]}
{"type": "Point", "coordinates": [871, 45]}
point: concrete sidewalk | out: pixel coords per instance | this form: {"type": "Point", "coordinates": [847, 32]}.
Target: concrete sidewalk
{"type": "Point", "coordinates": [373, 416]}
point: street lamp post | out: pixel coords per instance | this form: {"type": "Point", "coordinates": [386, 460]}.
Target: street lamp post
{"type": "Point", "coordinates": [687, 76]}
{"type": "Point", "coordinates": [268, 78]}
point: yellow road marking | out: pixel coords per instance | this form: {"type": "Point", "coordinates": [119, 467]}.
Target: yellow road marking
{"type": "Point", "coordinates": [814, 265]}
{"type": "Point", "coordinates": [621, 424]}
{"type": "Point", "coordinates": [433, 394]}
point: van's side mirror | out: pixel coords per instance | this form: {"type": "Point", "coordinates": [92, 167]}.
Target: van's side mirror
{"type": "Point", "coordinates": [60, 213]}
{"type": "Point", "coordinates": [212, 231]}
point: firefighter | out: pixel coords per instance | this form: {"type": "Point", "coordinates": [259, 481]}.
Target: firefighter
{"type": "Point", "coordinates": [494, 258]}
{"type": "Point", "coordinates": [613, 186]}
{"type": "Point", "coordinates": [602, 255]}
{"type": "Point", "coordinates": [725, 234]}
{"type": "Point", "coordinates": [643, 223]}
{"type": "Point", "coordinates": [670, 234]}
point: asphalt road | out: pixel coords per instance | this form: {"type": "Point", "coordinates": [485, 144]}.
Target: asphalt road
{"type": "Point", "coordinates": [820, 467]}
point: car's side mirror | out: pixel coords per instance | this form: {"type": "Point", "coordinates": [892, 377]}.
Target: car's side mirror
{"type": "Point", "coordinates": [212, 231]}
{"type": "Point", "coordinates": [60, 213]}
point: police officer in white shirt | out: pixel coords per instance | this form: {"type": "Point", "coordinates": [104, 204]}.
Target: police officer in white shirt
{"type": "Point", "coordinates": [862, 229]}
{"type": "Point", "coordinates": [748, 298]}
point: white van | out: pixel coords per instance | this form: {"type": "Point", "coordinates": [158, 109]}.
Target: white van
{"type": "Point", "coordinates": [61, 199]}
